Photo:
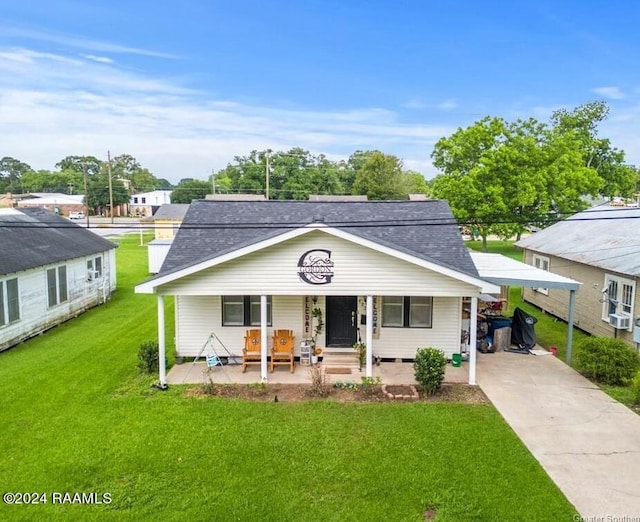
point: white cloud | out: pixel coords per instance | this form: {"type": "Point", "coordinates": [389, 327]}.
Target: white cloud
{"type": "Point", "coordinates": [99, 59]}
{"type": "Point", "coordinates": [85, 44]}
{"type": "Point", "coordinates": [447, 105]}
{"type": "Point", "coordinates": [613, 93]}
{"type": "Point", "coordinates": [54, 106]}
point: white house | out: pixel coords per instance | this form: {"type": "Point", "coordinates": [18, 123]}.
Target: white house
{"type": "Point", "coordinates": [50, 270]}
{"type": "Point", "coordinates": [145, 204]}
{"type": "Point", "coordinates": [393, 274]}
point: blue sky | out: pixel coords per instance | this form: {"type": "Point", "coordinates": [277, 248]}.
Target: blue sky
{"type": "Point", "coordinates": [185, 86]}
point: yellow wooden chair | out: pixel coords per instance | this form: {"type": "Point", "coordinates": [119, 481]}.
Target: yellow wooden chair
{"type": "Point", "coordinates": [252, 351]}
{"type": "Point", "coordinates": [282, 348]}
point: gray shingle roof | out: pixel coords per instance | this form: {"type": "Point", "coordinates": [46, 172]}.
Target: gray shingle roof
{"type": "Point", "coordinates": [424, 229]}
{"type": "Point", "coordinates": [606, 237]}
{"type": "Point", "coordinates": [170, 211]}
{"type": "Point", "coordinates": [32, 237]}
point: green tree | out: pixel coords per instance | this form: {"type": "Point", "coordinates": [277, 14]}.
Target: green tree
{"type": "Point", "coordinates": [65, 182]}
{"type": "Point", "coordinates": [189, 189]}
{"type": "Point", "coordinates": [89, 164]}
{"type": "Point", "coordinates": [381, 177]}
{"type": "Point", "coordinates": [11, 171]}
{"type": "Point", "coordinates": [499, 176]}
{"type": "Point", "coordinates": [597, 153]}
{"type": "Point", "coordinates": [98, 193]}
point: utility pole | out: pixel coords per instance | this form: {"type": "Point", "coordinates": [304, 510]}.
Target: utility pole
{"type": "Point", "coordinates": [213, 181]}
{"type": "Point", "coordinates": [267, 175]}
{"type": "Point", "coordinates": [110, 185]}
{"type": "Point", "coordinates": [86, 193]}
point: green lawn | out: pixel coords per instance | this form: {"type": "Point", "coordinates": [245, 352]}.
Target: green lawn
{"type": "Point", "coordinates": [77, 417]}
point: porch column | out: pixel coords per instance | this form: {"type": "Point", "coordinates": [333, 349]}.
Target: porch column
{"type": "Point", "coordinates": [473, 336]}
{"type": "Point", "coordinates": [369, 337]}
{"type": "Point", "coordinates": [572, 305]}
{"type": "Point", "coordinates": [161, 342]}
{"type": "Point", "coordinates": [263, 338]}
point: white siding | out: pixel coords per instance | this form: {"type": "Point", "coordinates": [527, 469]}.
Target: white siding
{"type": "Point", "coordinates": [35, 313]}
{"type": "Point", "coordinates": [444, 335]}
{"type": "Point", "coordinates": [157, 252]}
{"type": "Point", "coordinates": [358, 271]}
{"type": "Point", "coordinates": [198, 316]}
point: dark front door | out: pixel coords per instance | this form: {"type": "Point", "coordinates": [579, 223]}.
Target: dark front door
{"type": "Point", "coordinates": [341, 320]}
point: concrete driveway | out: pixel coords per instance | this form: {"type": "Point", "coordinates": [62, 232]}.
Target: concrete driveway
{"type": "Point", "coordinates": [588, 443]}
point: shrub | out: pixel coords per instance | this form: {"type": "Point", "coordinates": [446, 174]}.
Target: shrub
{"type": "Point", "coordinates": [635, 387]}
{"type": "Point", "coordinates": [148, 357]}
{"type": "Point", "coordinates": [429, 367]}
{"type": "Point", "coordinates": [608, 361]}
{"type": "Point", "coordinates": [320, 385]}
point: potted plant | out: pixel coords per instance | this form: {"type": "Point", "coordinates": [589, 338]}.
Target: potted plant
{"type": "Point", "coordinates": [315, 354]}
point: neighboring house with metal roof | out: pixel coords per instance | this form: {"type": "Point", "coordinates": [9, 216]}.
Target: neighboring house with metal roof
{"type": "Point", "coordinates": [166, 222]}
{"type": "Point", "coordinates": [50, 271]}
{"type": "Point", "coordinates": [390, 273]}
{"type": "Point", "coordinates": [601, 248]}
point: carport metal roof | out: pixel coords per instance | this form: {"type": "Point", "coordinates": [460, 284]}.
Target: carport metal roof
{"type": "Point", "coordinates": [502, 270]}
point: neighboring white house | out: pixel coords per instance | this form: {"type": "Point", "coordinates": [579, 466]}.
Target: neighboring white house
{"type": "Point", "coordinates": [145, 204]}
{"type": "Point", "coordinates": [601, 248]}
{"type": "Point", "coordinates": [392, 274]}
{"type": "Point", "coordinates": [50, 270]}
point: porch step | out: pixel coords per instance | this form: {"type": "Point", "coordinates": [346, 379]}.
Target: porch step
{"type": "Point", "coordinates": [340, 359]}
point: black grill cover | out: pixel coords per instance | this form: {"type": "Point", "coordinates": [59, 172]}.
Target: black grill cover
{"type": "Point", "coordinates": [523, 333]}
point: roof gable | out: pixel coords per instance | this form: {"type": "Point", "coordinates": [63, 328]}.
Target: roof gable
{"type": "Point", "coordinates": [422, 229]}
{"type": "Point", "coordinates": [33, 237]}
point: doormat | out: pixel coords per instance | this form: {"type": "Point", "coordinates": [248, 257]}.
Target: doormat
{"type": "Point", "coordinates": [335, 371]}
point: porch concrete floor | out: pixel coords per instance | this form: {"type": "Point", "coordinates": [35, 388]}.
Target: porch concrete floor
{"type": "Point", "coordinates": [389, 373]}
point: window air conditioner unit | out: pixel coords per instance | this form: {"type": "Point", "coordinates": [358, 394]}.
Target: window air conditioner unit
{"type": "Point", "coordinates": [92, 275]}
{"type": "Point", "coordinates": [619, 321]}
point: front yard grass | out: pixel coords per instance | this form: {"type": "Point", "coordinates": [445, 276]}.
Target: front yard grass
{"type": "Point", "coordinates": [78, 417]}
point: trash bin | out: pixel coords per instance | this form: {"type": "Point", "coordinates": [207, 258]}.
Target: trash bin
{"type": "Point", "coordinates": [456, 360]}
{"type": "Point", "coordinates": [497, 322]}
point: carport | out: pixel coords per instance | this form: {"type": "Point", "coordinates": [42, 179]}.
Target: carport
{"type": "Point", "coordinates": [504, 271]}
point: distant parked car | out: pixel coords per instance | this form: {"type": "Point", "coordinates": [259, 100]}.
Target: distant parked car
{"type": "Point", "coordinates": [76, 215]}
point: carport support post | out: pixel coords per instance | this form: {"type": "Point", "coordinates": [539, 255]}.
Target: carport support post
{"type": "Point", "coordinates": [161, 342]}
{"type": "Point", "coordinates": [572, 305]}
{"type": "Point", "coordinates": [473, 335]}
{"type": "Point", "coordinates": [369, 336]}
{"type": "Point", "coordinates": [263, 338]}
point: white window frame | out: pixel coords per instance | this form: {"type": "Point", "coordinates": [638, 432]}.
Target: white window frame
{"type": "Point", "coordinates": [6, 300]}
{"type": "Point", "coordinates": [542, 263]}
{"type": "Point", "coordinates": [94, 268]}
{"type": "Point", "coordinates": [60, 292]}
{"type": "Point", "coordinates": [406, 304]}
{"type": "Point", "coordinates": [623, 301]}
{"type": "Point", "coordinates": [250, 310]}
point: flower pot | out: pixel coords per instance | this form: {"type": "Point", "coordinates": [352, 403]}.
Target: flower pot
{"type": "Point", "coordinates": [314, 359]}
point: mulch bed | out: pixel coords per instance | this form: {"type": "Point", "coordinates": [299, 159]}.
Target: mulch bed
{"type": "Point", "coordinates": [462, 393]}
